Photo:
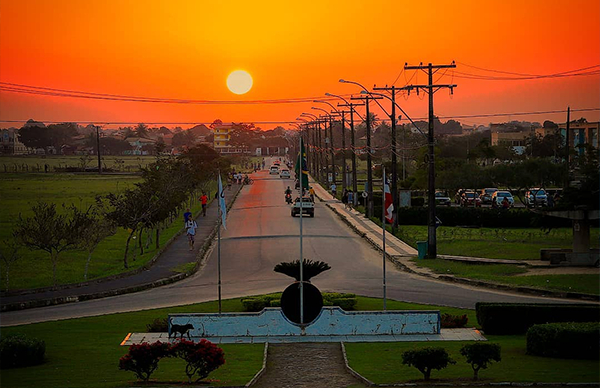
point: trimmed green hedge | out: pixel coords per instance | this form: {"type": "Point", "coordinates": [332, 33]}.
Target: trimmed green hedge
{"type": "Point", "coordinates": [20, 350]}
{"type": "Point", "coordinates": [516, 318]}
{"type": "Point", "coordinates": [580, 340]}
{"type": "Point", "coordinates": [344, 301]}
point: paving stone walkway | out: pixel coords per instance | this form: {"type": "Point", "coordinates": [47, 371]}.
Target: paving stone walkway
{"type": "Point", "coordinates": [310, 365]}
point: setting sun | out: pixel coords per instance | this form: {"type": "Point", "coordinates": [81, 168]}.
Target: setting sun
{"type": "Point", "coordinates": [239, 82]}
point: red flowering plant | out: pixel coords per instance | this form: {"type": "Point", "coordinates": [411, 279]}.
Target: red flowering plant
{"type": "Point", "coordinates": [143, 359]}
{"type": "Point", "coordinates": [201, 357]}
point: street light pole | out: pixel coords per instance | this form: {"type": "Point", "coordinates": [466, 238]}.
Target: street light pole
{"type": "Point", "coordinates": [331, 143]}
{"type": "Point", "coordinates": [342, 113]}
{"type": "Point", "coordinates": [98, 146]}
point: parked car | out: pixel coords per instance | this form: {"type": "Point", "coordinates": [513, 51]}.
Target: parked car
{"type": "Point", "coordinates": [442, 198]}
{"type": "Point", "coordinates": [470, 198]}
{"type": "Point", "coordinates": [498, 198]}
{"type": "Point", "coordinates": [308, 206]}
{"type": "Point", "coordinates": [486, 195]}
{"type": "Point", "coordinates": [284, 173]}
{"type": "Point", "coordinates": [536, 197]}
{"type": "Point", "coordinates": [274, 170]}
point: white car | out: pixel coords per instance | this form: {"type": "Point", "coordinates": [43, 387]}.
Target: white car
{"type": "Point", "coordinates": [274, 170]}
{"type": "Point", "coordinates": [284, 174]}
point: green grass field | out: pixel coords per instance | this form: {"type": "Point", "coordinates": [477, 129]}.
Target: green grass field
{"type": "Point", "coordinates": [494, 243]}
{"type": "Point", "coordinates": [505, 273]}
{"type": "Point", "coordinates": [35, 163]}
{"type": "Point", "coordinates": [18, 192]}
{"type": "Point", "coordinates": [73, 346]}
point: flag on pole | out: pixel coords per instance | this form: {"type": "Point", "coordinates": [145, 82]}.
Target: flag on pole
{"type": "Point", "coordinates": [302, 166]}
{"type": "Point", "coordinates": [389, 202]}
{"type": "Point", "coordinates": [222, 204]}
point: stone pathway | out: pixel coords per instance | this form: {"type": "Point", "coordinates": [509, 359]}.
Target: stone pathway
{"type": "Point", "coordinates": [310, 365]}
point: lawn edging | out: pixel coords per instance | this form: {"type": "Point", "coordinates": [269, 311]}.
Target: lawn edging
{"type": "Point", "coordinates": [200, 258]}
{"type": "Point", "coordinates": [262, 370]}
{"type": "Point", "coordinates": [354, 373]}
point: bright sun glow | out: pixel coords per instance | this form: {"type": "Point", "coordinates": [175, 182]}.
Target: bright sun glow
{"type": "Point", "coordinates": [239, 82]}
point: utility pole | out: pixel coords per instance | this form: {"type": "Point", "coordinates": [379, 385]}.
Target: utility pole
{"type": "Point", "coordinates": [353, 148]}
{"type": "Point", "coordinates": [98, 149]}
{"type": "Point", "coordinates": [370, 206]}
{"type": "Point", "coordinates": [332, 149]}
{"type": "Point", "coordinates": [430, 88]}
{"type": "Point", "coordinates": [394, 160]}
{"type": "Point", "coordinates": [567, 146]}
{"type": "Point", "coordinates": [344, 181]}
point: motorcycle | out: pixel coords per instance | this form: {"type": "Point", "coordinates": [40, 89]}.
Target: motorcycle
{"type": "Point", "coordinates": [288, 199]}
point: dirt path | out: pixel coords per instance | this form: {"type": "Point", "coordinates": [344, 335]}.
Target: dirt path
{"type": "Point", "coordinates": [531, 271]}
{"type": "Point", "coordinates": [306, 365]}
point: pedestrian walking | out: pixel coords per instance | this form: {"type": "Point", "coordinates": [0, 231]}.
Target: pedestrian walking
{"type": "Point", "coordinates": [345, 197]}
{"type": "Point", "coordinates": [333, 190]}
{"type": "Point", "coordinates": [186, 215]}
{"type": "Point", "coordinates": [350, 201]}
{"type": "Point", "coordinates": [204, 201]}
{"type": "Point", "coordinates": [190, 230]}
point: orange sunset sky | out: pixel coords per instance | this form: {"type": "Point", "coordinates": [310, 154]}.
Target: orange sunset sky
{"type": "Point", "coordinates": [292, 49]}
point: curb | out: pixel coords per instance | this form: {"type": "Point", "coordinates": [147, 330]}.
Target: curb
{"type": "Point", "coordinates": [471, 282]}
{"type": "Point", "coordinates": [354, 373]}
{"type": "Point", "coordinates": [126, 290]}
{"type": "Point", "coordinates": [262, 370]}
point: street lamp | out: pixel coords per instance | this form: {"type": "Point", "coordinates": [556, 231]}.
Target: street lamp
{"type": "Point", "coordinates": [342, 113]}
{"type": "Point", "coordinates": [317, 131]}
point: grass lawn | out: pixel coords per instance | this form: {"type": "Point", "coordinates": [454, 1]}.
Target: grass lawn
{"type": "Point", "coordinates": [37, 162]}
{"type": "Point", "coordinates": [18, 192]}
{"type": "Point", "coordinates": [85, 352]}
{"type": "Point", "coordinates": [505, 273]}
{"type": "Point", "coordinates": [382, 364]}
{"type": "Point", "coordinates": [494, 243]}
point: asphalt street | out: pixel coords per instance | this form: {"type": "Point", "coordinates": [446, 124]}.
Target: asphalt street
{"type": "Point", "coordinates": [261, 233]}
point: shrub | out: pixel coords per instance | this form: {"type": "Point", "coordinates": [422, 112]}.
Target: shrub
{"type": "Point", "coordinates": [427, 359]}
{"type": "Point", "coordinates": [480, 355]}
{"type": "Point", "coordinates": [143, 359]}
{"type": "Point", "coordinates": [254, 304]}
{"type": "Point", "coordinates": [565, 340]}
{"type": "Point", "coordinates": [453, 321]}
{"type": "Point", "coordinates": [516, 318]}
{"type": "Point", "coordinates": [20, 350]}
{"type": "Point", "coordinates": [201, 357]}
{"type": "Point", "coordinates": [159, 325]}
{"type": "Point", "coordinates": [310, 269]}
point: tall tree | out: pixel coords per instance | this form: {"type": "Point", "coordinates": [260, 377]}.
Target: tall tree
{"type": "Point", "coordinates": [9, 253]}
{"type": "Point", "coordinates": [49, 231]}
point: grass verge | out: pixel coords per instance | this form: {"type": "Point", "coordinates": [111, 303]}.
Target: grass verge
{"type": "Point", "coordinates": [505, 273]}
{"type": "Point", "coordinates": [19, 192]}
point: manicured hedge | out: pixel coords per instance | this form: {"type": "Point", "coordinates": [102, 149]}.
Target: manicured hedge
{"type": "Point", "coordinates": [580, 340]}
{"type": "Point", "coordinates": [344, 301]}
{"type": "Point", "coordinates": [480, 217]}
{"type": "Point", "coordinates": [516, 318]}
{"type": "Point", "coordinates": [20, 350]}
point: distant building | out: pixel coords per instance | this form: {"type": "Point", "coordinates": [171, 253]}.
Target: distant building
{"type": "Point", "coordinates": [139, 145]}
{"type": "Point", "coordinates": [581, 133]}
{"type": "Point", "coordinates": [512, 134]}
{"type": "Point", "coordinates": [222, 136]}
{"type": "Point", "coordinates": [10, 144]}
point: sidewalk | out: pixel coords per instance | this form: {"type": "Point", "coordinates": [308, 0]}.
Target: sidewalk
{"type": "Point", "coordinates": [174, 253]}
{"type": "Point", "coordinates": [402, 254]}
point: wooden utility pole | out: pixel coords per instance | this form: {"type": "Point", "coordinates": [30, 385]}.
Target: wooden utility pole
{"type": "Point", "coordinates": [98, 149]}
{"type": "Point", "coordinates": [430, 88]}
{"type": "Point", "coordinates": [567, 146]}
{"type": "Point", "coordinates": [353, 148]}
{"type": "Point", "coordinates": [370, 205]}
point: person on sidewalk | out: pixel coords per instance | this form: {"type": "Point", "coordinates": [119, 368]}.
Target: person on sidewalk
{"type": "Point", "coordinates": [311, 192]}
{"type": "Point", "coordinates": [204, 201]}
{"type": "Point", "coordinates": [333, 190]}
{"type": "Point", "coordinates": [350, 200]}
{"type": "Point", "coordinates": [345, 197]}
{"type": "Point", "coordinates": [190, 231]}
{"type": "Point", "coordinates": [186, 215]}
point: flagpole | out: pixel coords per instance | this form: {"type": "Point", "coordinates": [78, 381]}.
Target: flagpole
{"type": "Point", "coordinates": [219, 240]}
{"type": "Point", "coordinates": [383, 228]}
{"type": "Point", "coordinates": [301, 177]}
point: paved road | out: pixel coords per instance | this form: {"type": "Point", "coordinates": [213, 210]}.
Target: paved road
{"type": "Point", "coordinates": [260, 234]}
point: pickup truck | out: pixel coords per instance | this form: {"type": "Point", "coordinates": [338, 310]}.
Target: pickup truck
{"type": "Point", "coordinates": [308, 207]}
